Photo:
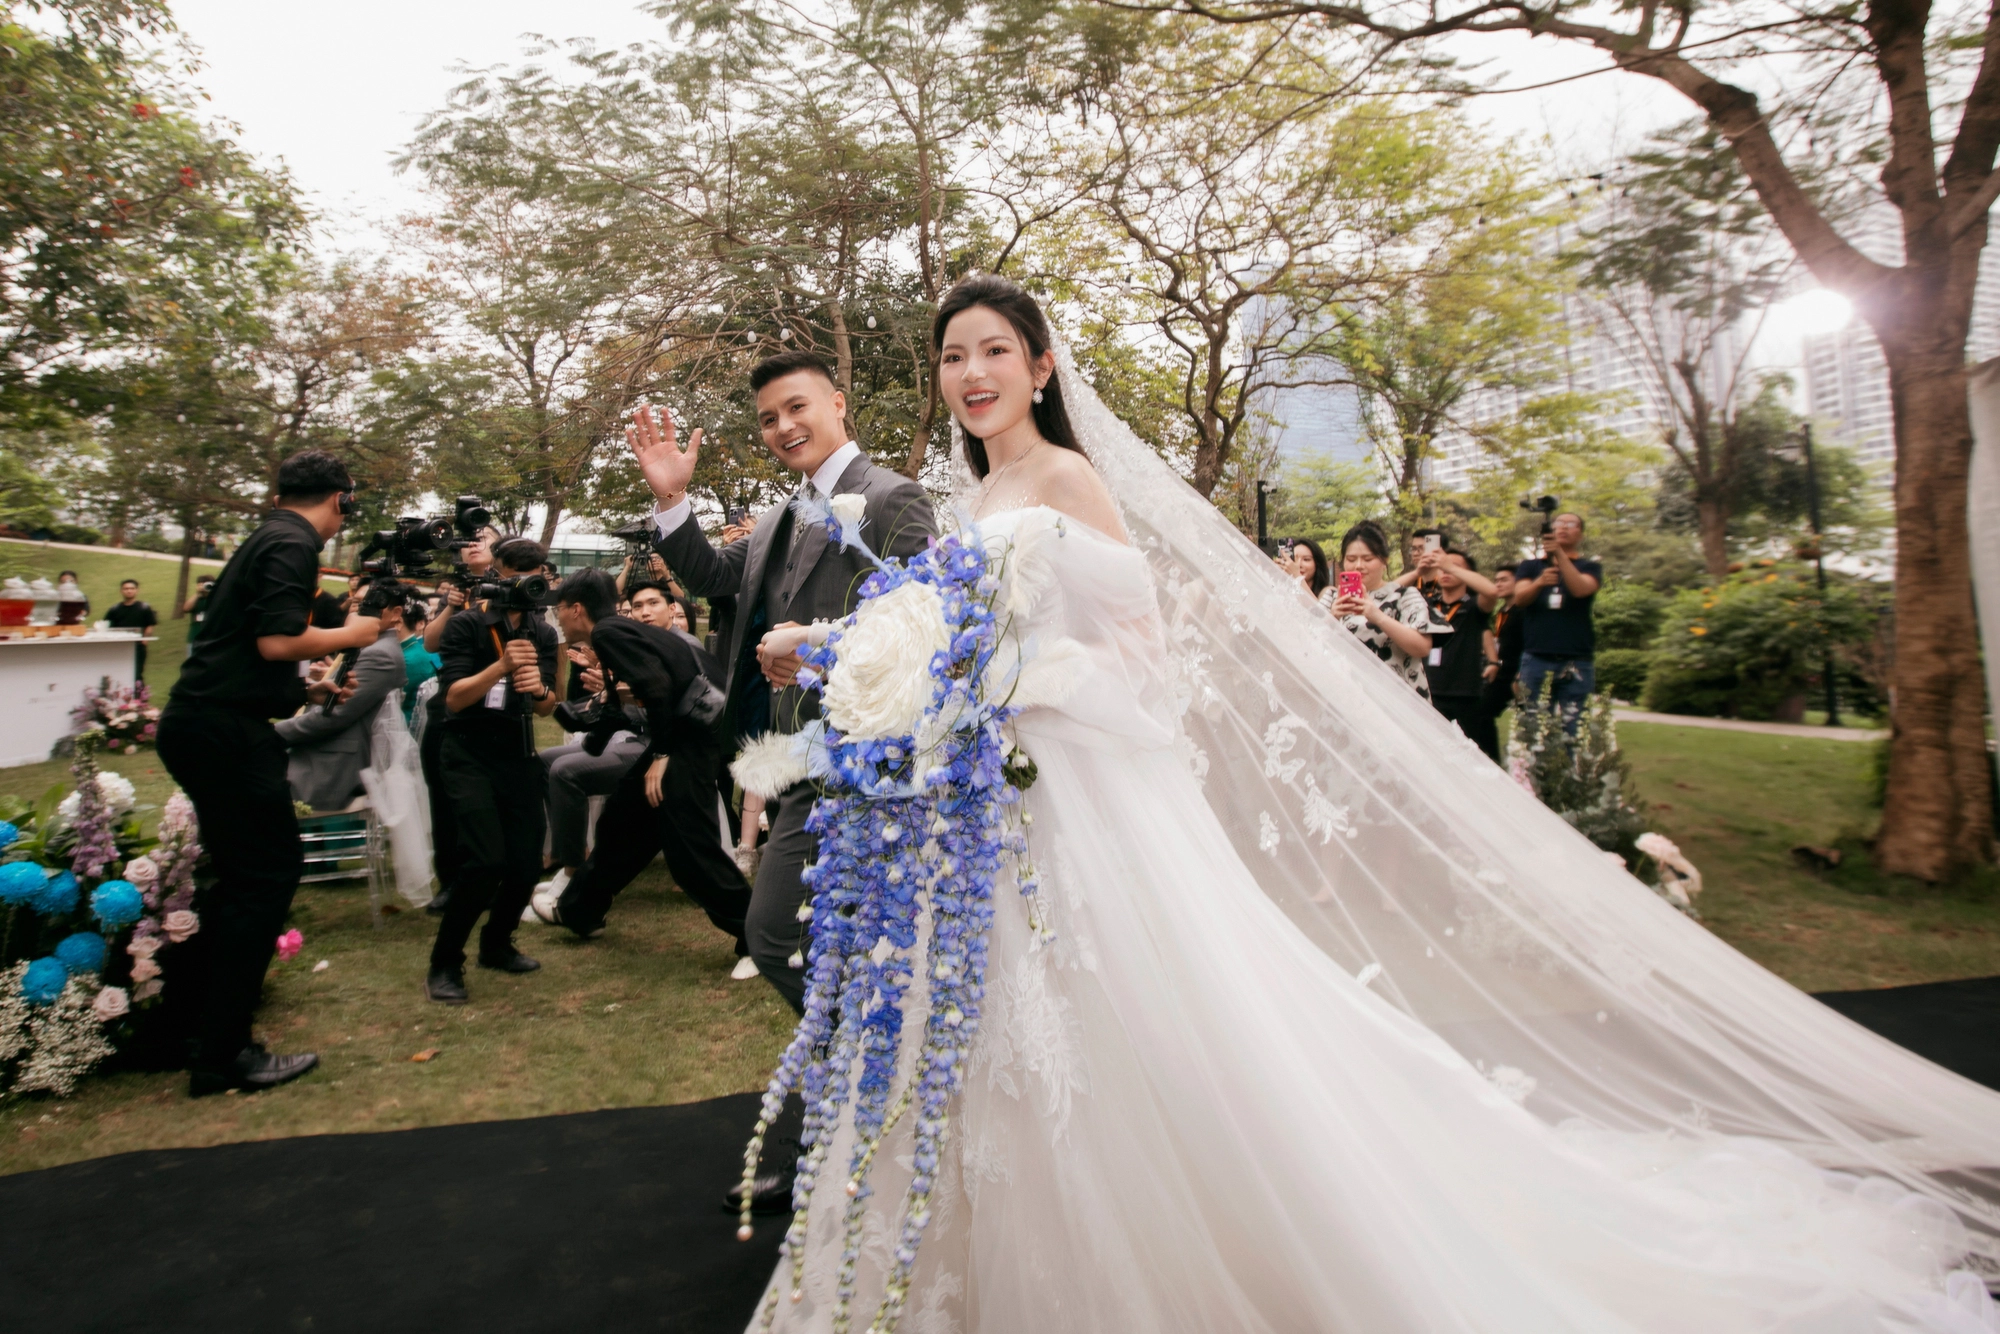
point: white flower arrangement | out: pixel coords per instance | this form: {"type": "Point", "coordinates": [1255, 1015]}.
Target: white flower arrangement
{"type": "Point", "coordinates": [116, 791]}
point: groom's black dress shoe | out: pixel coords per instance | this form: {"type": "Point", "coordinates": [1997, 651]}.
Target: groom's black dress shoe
{"type": "Point", "coordinates": [770, 1193]}
{"type": "Point", "coordinates": [253, 1069]}
{"type": "Point", "coordinates": [516, 962]}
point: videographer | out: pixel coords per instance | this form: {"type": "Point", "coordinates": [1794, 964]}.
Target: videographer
{"type": "Point", "coordinates": [1558, 637]}
{"type": "Point", "coordinates": [498, 665]}
{"type": "Point", "coordinates": [576, 774]}
{"type": "Point", "coordinates": [666, 801]}
{"type": "Point", "coordinates": [478, 561]}
{"type": "Point", "coordinates": [217, 741]}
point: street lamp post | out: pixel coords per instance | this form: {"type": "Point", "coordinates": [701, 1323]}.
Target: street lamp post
{"type": "Point", "coordinates": [1819, 565]}
{"type": "Point", "coordinates": [1264, 516]}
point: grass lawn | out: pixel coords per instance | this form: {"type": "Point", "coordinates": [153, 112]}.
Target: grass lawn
{"type": "Point", "coordinates": [1737, 803]}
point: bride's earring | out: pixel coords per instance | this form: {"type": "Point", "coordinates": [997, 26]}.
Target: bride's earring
{"type": "Point", "coordinates": [1038, 396]}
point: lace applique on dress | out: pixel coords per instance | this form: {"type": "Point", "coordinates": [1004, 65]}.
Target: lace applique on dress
{"type": "Point", "coordinates": [1040, 1038]}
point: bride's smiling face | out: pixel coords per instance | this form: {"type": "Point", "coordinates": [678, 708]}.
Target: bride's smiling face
{"type": "Point", "coordinates": [985, 373]}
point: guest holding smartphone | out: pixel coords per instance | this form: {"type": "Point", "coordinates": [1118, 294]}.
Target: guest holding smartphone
{"type": "Point", "coordinates": [1392, 620]}
{"type": "Point", "coordinates": [1301, 558]}
{"type": "Point", "coordinates": [1462, 598]}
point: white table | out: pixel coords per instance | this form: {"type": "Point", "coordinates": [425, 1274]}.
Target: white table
{"type": "Point", "coordinates": [42, 679]}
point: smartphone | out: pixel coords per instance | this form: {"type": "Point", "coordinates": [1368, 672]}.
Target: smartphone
{"type": "Point", "coordinates": [1433, 542]}
{"type": "Point", "coordinates": [1351, 585]}
{"type": "Point", "coordinates": [738, 517]}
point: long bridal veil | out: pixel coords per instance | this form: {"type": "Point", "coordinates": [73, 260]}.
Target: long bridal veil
{"type": "Point", "coordinates": [1420, 867]}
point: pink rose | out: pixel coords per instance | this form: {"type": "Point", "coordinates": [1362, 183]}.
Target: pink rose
{"type": "Point", "coordinates": [180, 924]}
{"type": "Point", "coordinates": [143, 947]}
{"type": "Point", "coordinates": [146, 991]}
{"type": "Point", "coordinates": [143, 872]}
{"type": "Point", "coordinates": [111, 1003]}
{"type": "Point", "coordinates": [145, 970]}
{"type": "Point", "coordinates": [290, 943]}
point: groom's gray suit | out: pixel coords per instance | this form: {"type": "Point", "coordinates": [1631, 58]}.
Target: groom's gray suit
{"type": "Point", "coordinates": [787, 570]}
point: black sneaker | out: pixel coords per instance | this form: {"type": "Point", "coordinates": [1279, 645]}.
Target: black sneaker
{"type": "Point", "coordinates": [516, 962]}
{"type": "Point", "coordinates": [446, 986]}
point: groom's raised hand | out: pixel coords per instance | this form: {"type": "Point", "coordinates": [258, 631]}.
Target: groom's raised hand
{"type": "Point", "coordinates": [667, 469]}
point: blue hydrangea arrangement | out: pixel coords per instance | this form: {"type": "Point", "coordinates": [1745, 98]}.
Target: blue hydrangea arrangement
{"type": "Point", "coordinates": [915, 828]}
{"type": "Point", "coordinates": [117, 904]}
{"type": "Point", "coordinates": [44, 981]}
{"type": "Point", "coordinates": [20, 882]}
{"type": "Point", "coordinates": [8, 833]}
{"type": "Point", "coordinates": [82, 952]}
{"type": "Point", "coordinates": [57, 896]}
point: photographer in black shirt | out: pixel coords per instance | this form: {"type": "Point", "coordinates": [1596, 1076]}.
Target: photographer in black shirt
{"type": "Point", "coordinates": [499, 663]}
{"type": "Point", "coordinates": [666, 802]}
{"type": "Point", "coordinates": [217, 741]}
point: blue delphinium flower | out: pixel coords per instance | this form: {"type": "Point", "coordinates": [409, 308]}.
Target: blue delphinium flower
{"type": "Point", "coordinates": [44, 981]}
{"type": "Point", "coordinates": [8, 833]}
{"type": "Point", "coordinates": [57, 896]}
{"type": "Point", "coordinates": [21, 881]}
{"type": "Point", "coordinates": [82, 952]}
{"type": "Point", "coordinates": [116, 904]}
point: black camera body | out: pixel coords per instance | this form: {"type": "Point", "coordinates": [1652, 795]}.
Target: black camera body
{"type": "Point", "coordinates": [415, 542]}
{"type": "Point", "coordinates": [597, 721]}
{"type": "Point", "coordinates": [637, 537]}
{"type": "Point", "coordinates": [1547, 505]}
{"type": "Point", "coordinates": [520, 592]}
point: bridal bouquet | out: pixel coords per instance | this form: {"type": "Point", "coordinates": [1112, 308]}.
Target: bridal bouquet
{"type": "Point", "coordinates": [89, 904]}
{"type": "Point", "coordinates": [917, 822]}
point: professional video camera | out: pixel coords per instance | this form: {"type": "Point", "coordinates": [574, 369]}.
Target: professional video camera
{"type": "Point", "coordinates": [521, 592]}
{"type": "Point", "coordinates": [637, 537]}
{"type": "Point", "coordinates": [409, 548]}
{"type": "Point", "coordinates": [1547, 505]}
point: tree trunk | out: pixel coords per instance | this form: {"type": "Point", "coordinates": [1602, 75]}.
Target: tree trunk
{"type": "Point", "coordinates": [843, 363]}
{"type": "Point", "coordinates": [551, 518]}
{"type": "Point", "coordinates": [1713, 518]}
{"type": "Point", "coordinates": [1937, 819]}
{"type": "Point", "coordinates": [187, 558]}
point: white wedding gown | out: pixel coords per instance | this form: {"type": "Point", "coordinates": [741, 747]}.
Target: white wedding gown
{"type": "Point", "coordinates": [1341, 1030]}
{"type": "Point", "coordinates": [1183, 1115]}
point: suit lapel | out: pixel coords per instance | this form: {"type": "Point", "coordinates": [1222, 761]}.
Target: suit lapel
{"type": "Point", "coordinates": [812, 543]}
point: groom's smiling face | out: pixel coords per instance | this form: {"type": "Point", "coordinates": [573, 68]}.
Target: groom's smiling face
{"type": "Point", "coordinates": [801, 415]}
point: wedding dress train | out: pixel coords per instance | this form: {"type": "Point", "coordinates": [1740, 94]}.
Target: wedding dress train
{"type": "Point", "coordinates": [1183, 1114]}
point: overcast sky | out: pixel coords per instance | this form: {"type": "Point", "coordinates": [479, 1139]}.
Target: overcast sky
{"type": "Point", "coordinates": [337, 90]}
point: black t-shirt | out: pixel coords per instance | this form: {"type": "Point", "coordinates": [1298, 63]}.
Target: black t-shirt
{"type": "Point", "coordinates": [265, 589]}
{"type": "Point", "coordinates": [468, 648]}
{"type": "Point", "coordinates": [328, 612]}
{"type": "Point", "coordinates": [1565, 631]}
{"type": "Point", "coordinates": [135, 615]}
{"type": "Point", "coordinates": [1457, 659]}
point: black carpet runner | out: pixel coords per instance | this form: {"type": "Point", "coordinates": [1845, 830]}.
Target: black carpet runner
{"type": "Point", "coordinates": [597, 1221]}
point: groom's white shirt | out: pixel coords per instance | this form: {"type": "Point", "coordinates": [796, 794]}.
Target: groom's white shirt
{"type": "Point", "coordinates": [823, 478]}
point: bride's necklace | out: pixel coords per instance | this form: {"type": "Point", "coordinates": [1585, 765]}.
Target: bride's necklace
{"type": "Point", "coordinates": [994, 480]}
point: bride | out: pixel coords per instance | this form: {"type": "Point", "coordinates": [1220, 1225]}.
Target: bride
{"type": "Point", "coordinates": [1328, 1025]}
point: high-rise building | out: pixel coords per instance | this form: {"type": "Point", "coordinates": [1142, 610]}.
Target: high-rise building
{"type": "Point", "coordinates": [1847, 379]}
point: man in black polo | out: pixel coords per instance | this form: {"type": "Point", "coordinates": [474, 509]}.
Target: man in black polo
{"type": "Point", "coordinates": [217, 741]}
{"type": "Point", "coordinates": [498, 663]}
{"type": "Point", "coordinates": [666, 801]}
{"type": "Point", "coordinates": [128, 613]}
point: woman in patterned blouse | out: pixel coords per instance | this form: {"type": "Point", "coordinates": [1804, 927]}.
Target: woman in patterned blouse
{"type": "Point", "coordinates": [1394, 621]}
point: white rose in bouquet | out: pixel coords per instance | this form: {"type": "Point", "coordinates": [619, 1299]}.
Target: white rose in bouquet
{"type": "Point", "coordinates": [881, 680]}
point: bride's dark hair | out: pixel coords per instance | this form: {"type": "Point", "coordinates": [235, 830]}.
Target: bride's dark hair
{"type": "Point", "coordinates": [1012, 302]}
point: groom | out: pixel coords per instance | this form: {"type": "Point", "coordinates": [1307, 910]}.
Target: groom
{"type": "Point", "coordinates": [785, 573]}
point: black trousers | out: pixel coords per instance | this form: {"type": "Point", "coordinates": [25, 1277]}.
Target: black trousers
{"type": "Point", "coordinates": [496, 797]}
{"type": "Point", "coordinates": [772, 927]}
{"type": "Point", "coordinates": [444, 830]}
{"type": "Point", "coordinates": [684, 828]}
{"type": "Point", "coordinates": [1473, 718]}
{"type": "Point", "coordinates": [232, 767]}
{"type": "Point", "coordinates": [138, 662]}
